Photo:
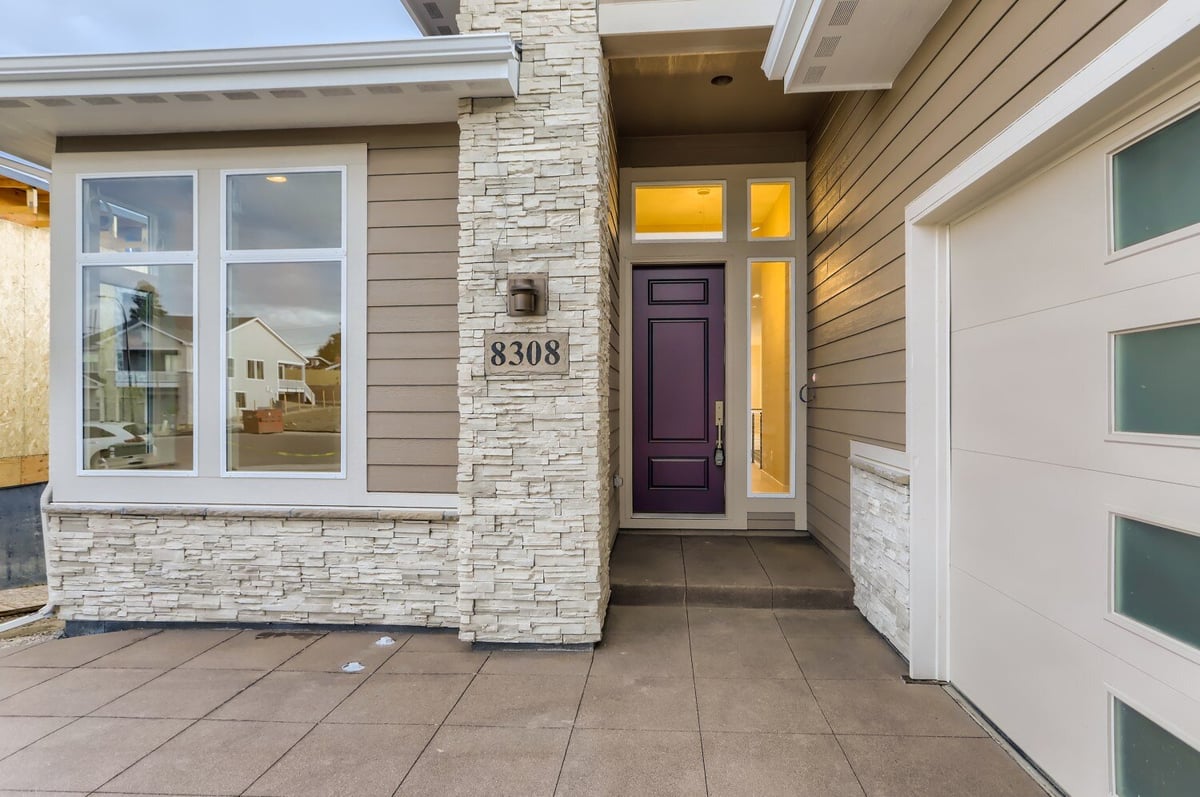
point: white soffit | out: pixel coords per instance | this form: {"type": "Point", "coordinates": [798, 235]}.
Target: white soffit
{"type": "Point", "coordinates": [434, 17]}
{"type": "Point", "coordinates": [334, 85]}
{"type": "Point", "coordinates": [632, 28]}
{"type": "Point", "coordinates": [846, 45]}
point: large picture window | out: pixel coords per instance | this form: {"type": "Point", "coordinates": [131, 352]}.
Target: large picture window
{"type": "Point", "coordinates": [164, 262]}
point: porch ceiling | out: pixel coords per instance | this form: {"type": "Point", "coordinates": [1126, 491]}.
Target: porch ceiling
{"type": "Point", "coordinates": [372, 83]}
{"type": "Point", "coordinates": [674, 95]}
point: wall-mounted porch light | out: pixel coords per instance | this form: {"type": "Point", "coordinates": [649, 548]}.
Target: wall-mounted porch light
{"type": "Point", "coordinates": [526, 294]}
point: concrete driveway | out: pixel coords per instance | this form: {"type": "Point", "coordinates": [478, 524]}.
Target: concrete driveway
{"type": "Point", "coordinates": [675, 701]}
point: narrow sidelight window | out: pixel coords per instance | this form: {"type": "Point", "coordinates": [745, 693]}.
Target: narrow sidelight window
{"type": "Point", "coordinates": [771, 376]}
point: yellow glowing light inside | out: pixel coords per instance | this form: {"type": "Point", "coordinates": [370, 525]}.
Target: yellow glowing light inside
{"type": "Point", "coordinates": [666, 212]}
{"type": "Point", "coordinates": [276, 178]}
{"type": "Point", "coordinates": [771, 210]}
{"type": "Point", "coordinates": [771, 377]}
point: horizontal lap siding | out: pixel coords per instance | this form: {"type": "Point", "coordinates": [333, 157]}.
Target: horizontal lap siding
{"type": "Point", "coordinates": [412, 313]}
{"type": "Point", "coordinates": [984, 64]}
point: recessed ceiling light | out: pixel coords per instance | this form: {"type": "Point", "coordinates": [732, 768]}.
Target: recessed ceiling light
{"type": "Point", "coordinates": [703, 191]}
{"type": "Point", "coordinates": [276, 178]}
{"type": "Point", "coordinates": [722, 80]}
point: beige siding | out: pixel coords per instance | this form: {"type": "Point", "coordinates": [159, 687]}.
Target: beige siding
{"type": "Point", "coordinates": [412, 289]}
{"type": "Point", "coordinates": [412, 313]}
{"type": "Point", "coordinates": [984, 64]}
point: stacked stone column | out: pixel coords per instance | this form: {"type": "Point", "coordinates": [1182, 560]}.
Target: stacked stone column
{"type": "Point", "coordinates": [535, 197]}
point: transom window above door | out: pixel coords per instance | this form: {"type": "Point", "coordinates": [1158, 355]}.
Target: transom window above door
{"type": "Point", "coordinates": [679, 212]}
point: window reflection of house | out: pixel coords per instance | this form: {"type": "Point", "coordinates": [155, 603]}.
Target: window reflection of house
{"type": "Point", "coordinates": [141, 372]}
{"type": "Point", "coordinates": [252, 343]}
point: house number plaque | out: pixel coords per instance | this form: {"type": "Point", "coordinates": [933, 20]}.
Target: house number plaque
{"type": "Point", "coordinates": [524, 354]}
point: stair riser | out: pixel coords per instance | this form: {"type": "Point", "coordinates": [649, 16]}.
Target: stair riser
{"type": "Point", "coordinates": [732, 597]}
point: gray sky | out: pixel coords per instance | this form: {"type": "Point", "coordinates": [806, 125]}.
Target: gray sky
{"type": "Point", "coordinates": [56, 27]}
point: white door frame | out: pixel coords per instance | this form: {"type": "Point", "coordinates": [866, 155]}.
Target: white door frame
{"type": "Point", "coordinates": [735, 253]}
{"type": "Point", "coordinates": [1073, 115]}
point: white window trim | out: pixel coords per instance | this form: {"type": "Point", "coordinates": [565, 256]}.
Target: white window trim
{"type": "Point", "coordinates": [83, 260]}
{"type": "Point", "coordinates": [750, 236]}
{"type": "Point", "coordinates": [679, 237]}
{"type": "Point", "coordinates": [791, 493]}
{"type": "Point", "coordinates": [1161, 44]}
{"type": "Point", "coordinates": [207, 487]}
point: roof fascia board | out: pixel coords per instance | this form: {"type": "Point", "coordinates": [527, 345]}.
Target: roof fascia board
{"type": "Point", "coordinates": [668, 16]}
{"type": "Point", "coordinates": [826, 87]}
{"type": "Point", "coordinates": [31, 174]}
{"type": "Point", "coordinates": [437, 58]}
{"type": "Point", "coordinates": [505, 72]}
{"type": "Point", "coordinates": [789, 37]}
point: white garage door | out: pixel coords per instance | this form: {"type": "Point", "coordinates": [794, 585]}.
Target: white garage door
{"type": "Point", "coordinates": [1075, 545]}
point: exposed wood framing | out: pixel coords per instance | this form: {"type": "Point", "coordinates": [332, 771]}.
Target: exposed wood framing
{"type": "Point", "coordinates": [24, 204]}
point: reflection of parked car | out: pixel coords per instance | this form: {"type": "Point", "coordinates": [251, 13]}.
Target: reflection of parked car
{"type": "Point", "coordinates": [116, 445]}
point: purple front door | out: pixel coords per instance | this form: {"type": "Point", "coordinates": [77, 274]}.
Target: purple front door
{"type": "Point", "coordinates": [678, 378]}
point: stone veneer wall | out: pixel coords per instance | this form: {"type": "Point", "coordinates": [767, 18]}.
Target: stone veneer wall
{"type": "Point", "coordinates": [879, 544]}
{"type": "Point", "coordinates": [535, 177]}
{"type": "Point", "coordinates": [253, 565]}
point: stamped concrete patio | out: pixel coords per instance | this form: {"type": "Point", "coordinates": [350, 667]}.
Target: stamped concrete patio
{"type": "Point", "coordinates": [677, 700]}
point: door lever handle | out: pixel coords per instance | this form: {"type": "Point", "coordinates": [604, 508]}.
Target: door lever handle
{"type": "Point", "coordinates": [804, 399]}
{"type": "Point", "coordinates": [719, 418]}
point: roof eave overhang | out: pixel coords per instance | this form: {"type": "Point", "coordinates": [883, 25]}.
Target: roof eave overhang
{"type": "Point", "coordinates": [27, 173]}
{"type": "Point", "coordinates": [428, 59]}
{"type": "Point", "coordinates": [392, 82]}
{"type": "Point", "coordinates": [846, 45]}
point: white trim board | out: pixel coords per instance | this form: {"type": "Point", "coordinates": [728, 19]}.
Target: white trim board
{"type": "Point", "coordinates": [1147, 56]}
{"type": "Point", "coordinates": [890, 457]}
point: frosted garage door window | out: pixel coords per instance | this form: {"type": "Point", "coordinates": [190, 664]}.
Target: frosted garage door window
{"type": "Point", "coordinates": [1156, 183]}
{"type": "Point", "coordinates": [1150, 760]}
{"type": "Point", "coordinates": [1157, 376]}
{"type": "Point", "coordinates": [1156, 578]}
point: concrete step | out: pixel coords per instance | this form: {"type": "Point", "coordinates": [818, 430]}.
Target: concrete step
{"type": "Point", "coordinates": [729, 571]}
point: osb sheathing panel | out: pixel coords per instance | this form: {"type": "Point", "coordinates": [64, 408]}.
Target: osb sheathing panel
{"type": "Point", "coordinates": [24, 344]}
